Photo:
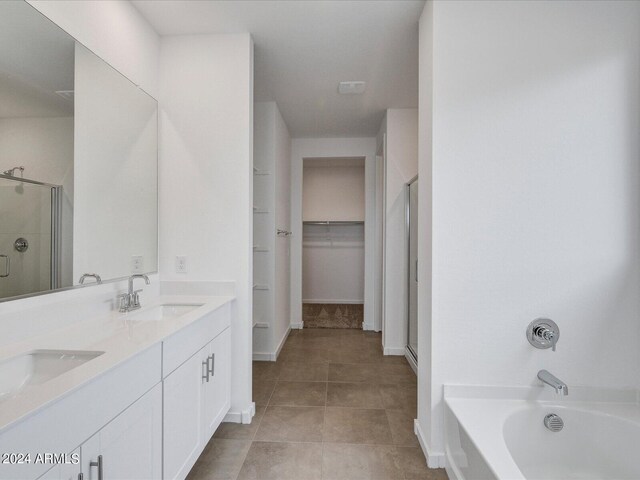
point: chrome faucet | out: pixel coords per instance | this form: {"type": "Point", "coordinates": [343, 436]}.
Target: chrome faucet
{"type": "Point", "coordinates": [90, 275]}
{"type": "Point", "coordinates": [554, 382]}
{"type": "Point", "coordinates": [131, 300]}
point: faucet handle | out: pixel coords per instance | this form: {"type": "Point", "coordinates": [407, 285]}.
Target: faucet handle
{"type": "Point", "coordinates": [135, 298]}
{"type": "Point", "coordinates": [125, 302]}
{"type": "Point", "coordinates": [543, 333]}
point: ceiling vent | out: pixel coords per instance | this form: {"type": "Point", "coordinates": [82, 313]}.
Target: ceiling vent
{"type": "Point", "coordinates": [351, 88]}
{"type": "Point", "coordinates": [66, 94]}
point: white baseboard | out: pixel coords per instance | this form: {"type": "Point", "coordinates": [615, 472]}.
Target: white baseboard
{"type": "Point", "coordinates": [262, 357]}
{"type": "Point", "coordinates": [281, 344]}
{"type": "Point", "coordinates": [411, 360]}
{"type": "Point", "coordinates": [434, 459]}
{"type": "Point", "coordinates": [394, 351]}
{"type": "Point", "coordinates": [272, 356]}
{"type": "Point", "coordinates": [297, 326]}
{"type": "Point", "coordinates": [243, 416]}
{"type": "Point", "coordinates": [334, 301]}
{"type": "Point", "coordinates": [369, 327]}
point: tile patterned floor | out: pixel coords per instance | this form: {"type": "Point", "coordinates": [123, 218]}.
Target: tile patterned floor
{"type": "Point", "coordinates": [333, 315]}
{"type": "Point", "coordinates": [331, 408]}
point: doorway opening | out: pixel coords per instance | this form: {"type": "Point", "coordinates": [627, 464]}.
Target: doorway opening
{"type": "Point", "coordinates": [333, 244]}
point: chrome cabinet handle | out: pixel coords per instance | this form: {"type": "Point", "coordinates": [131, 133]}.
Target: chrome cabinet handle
{"type": "Point", "coordinates": [205, 370]}
{"type": "Point", "coordinates": [81, 476]}
{"type": "Point", "coordinates": [99, 465]}
{"type": "Point", "coordinates": [416, 270]}
{"type": "Point", "coordinates": [7, 266]}
{"type": "Point", "coordinates": [211, 369]}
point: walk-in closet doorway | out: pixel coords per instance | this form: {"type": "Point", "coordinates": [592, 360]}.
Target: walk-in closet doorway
{"type": "Point", "coordinates": [333, 253]}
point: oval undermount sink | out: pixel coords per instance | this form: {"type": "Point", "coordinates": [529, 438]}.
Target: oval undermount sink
{"type": "Point", "coordinates": [166, 311]}
{"type": "Point", "coordinates": [37, 367]}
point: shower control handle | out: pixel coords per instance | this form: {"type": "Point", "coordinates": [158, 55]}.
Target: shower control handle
{"type": "Point", "coordinates": [543, 333]}
{"type": "Point", "coordinates": [7, 266]}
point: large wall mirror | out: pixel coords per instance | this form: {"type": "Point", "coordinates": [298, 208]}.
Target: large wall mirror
{"type": "Point", "coordinates": [78, 162]}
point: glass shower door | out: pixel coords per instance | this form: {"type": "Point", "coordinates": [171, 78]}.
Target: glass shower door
{"type": "Point", "coordinates": [29, 216]}
{"type": "Point", "coordinates": [412, 246]}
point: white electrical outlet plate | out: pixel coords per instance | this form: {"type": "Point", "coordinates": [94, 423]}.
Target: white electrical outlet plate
{"type": "Point", "coordinates": [137, 264]}
{"type": "Point", "coordinates": [181, 264]}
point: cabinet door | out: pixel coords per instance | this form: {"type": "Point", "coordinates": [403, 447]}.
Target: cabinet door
{"type": "Point", "coordinates": [130, 446]}
{"type": "Point", "coordinates": [183, 422]}
{"type": "Point", "coordinates": [217, 391]}
{"type": "Point", "coordinates": [64, 471]}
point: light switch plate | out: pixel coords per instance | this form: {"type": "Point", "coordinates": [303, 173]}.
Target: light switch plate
{"type": "Point", "coordinates": [137, 264]}
{"type": "Point", "coordinates": [181, 264]}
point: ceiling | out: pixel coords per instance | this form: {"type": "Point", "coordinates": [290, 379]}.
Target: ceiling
{"type": "Point", "coordinates": [304, 48]}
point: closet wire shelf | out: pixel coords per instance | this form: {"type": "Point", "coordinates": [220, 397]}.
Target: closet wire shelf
{"type": "Point", "coordinates": [333, 222]}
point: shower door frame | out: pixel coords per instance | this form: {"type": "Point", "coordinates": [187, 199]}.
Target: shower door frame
{"type": "Point", "coordinates": [56, 226]}
{"type": "Point", "coordinates": [407, 213]}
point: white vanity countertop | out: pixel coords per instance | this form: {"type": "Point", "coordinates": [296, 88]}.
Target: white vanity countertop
{"type": "Point", "coordinates": [119, 335]}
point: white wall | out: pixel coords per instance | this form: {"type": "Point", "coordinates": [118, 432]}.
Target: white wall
{"type": "Point", "coordinates": [206, 150]}
{"type": "Point", "coordinates": [401, 128]}
{"type": "Point", "coordinates": [536, 112]}
{"type": "Point", "coordinates": [333, 261]}
{"type": "Point", "coordinates": [424, 424]}
{"type": "Point", "coordinates": [115, 31]}
{"type": "Point", "coordinates": [302, 148]}
{"type": "Point", "coordinates": [272, 155]}
{"type": "Point", "coordinates": [283, 221]}
{"type": "Point", "coordinates": [333, 193]}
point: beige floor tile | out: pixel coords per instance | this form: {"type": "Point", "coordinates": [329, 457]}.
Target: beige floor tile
{"type": "Point", "coordinates": [291, 424]}
{"type": "Point", "coordinates": [401, 425]}
{"type": "Point", "coordinates": [330, 332]}
{"type": "Point", "coordinates": [220, 460]}
{"type": "Point", "coordinates": [303, 372]}
{"type": "Point", "coordinates": [358, 395]}
{"type": "Point", "coordinates": [354, 425]}
{"type": "Point", "coordinates": [282, 461]}
{"type": "Point", "coordinates": [310, 342]}
{"type": "Point", "coordinates": [299, 394]}
{"type": "Point", "coordinates": [304, 355]}
{"type": "Point", "coordinates": [264, 371]}
{"type": "Point", "coordinates": [262, 391]}
{"type": "Point", "coordinates": [414, 465]}
{"type": "Point", "coordinates": [239, 431]}
{"type": "Point", "coordinates": [360, 340]}
{"type": "Point", "coordinates": [400, 397]}
{"type": "Point", "coordinates": [394, 360]}
{"type": "Point", "coordinates": [397, 374]}
{"type": "Point", "coordinates": [340, 354]}
{"type": "Point", "coordinates": [359, 462]}
{"type": "Point", "coordinates": [351, 373]}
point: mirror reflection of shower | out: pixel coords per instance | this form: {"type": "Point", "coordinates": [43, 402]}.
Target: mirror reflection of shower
{"type": "Point", "coordinates": [11, 172]}
{"type": "Point", "coordinates": [30, 234]}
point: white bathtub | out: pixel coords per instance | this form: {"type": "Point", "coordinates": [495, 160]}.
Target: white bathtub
{"type": "Point", "coordinates": [498, 433]}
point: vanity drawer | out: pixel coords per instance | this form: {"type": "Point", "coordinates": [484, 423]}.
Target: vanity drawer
{"type": "Point", "coordinates": [179, 347]}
